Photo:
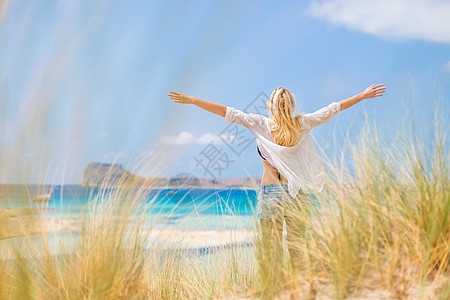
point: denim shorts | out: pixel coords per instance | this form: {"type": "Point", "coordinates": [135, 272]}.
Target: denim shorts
{"type": "Point", "coordinates": [274, 201]}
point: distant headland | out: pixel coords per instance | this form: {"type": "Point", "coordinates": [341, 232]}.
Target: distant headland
{"type": "Point", "coordinates": [100, 175]}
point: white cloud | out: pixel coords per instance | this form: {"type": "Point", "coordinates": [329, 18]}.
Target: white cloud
{"type": "Point", "coordinates": [399, 19]}
{"type": "Point", "coordinates": [207, 138]}
{"type": "Point", "coordinates": [186, 137]}
{"type": "Point", "coordinates": [183, 138]}
{"type": "Point", "coordinates": [447, 66]}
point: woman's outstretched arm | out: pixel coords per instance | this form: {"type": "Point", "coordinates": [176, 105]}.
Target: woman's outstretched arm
{"type": "Point", "coordinates": [371, 92]}
{"type": "Point", "coordinates": [213, 107]}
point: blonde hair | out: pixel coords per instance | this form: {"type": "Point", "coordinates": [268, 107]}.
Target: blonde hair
{"type": "Point", "coordinates": [286, 127]}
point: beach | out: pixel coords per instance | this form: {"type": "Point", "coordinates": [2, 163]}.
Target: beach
{"type": "Point", "coordinates": [21, 224]}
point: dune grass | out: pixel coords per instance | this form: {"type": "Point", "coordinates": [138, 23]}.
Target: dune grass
{"type": "Point", "coordinates": [382, 230]}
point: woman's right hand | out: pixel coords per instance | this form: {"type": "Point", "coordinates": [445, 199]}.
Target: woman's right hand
{"type": "Point", "coordinates": [180, 98]}
{"type": "Point", "coordinates": [373, 91]}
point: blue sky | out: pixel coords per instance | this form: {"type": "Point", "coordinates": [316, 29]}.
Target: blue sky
{"type": "Point", "coordinates": [87, 81]}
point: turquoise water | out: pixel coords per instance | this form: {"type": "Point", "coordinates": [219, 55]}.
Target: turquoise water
{"type": "Point", "coordinates": [165, 209]}
{"type": "Point", "coordinates": [199, 209]}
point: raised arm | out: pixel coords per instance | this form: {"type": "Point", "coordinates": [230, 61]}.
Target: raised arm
{"type": "Point", "coordinates": [213, 107]}
{"type": "Point", "coordinates": [371, 92]}
{"type": "Point", "coordinates": [230, 114]}
{"type": "Point", "coordinates": [326, 113]}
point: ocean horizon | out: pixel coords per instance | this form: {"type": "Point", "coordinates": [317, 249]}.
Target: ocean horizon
{"type": "Point", "coordinates": [166, 208]}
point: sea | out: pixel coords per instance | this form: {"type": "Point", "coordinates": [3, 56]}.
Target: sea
{"type": "Point", "coordinates": [162, 209]}
{"type": "Point", "coordinates": [200, 209]}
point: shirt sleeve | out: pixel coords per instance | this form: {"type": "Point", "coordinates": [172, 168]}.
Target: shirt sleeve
{"type": "Point", "coordinates": [250, 120]}
{"type": "Point", "coordinates": [322, 115]}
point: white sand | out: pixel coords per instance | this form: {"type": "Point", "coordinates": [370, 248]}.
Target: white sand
{"type": "Point", "coordinates": [16, 229]}
{"type": "Point", "coordinates": [202, 238]}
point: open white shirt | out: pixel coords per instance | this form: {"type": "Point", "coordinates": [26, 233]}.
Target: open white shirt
{"type": "Point", "coordinates": [300, 164]}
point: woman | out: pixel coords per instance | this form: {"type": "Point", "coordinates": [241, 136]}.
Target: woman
{"type": "Point", "coordinates": [292, 166]}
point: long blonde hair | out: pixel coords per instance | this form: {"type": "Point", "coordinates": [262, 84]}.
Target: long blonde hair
{"type": "Point", "coordinates": [286, 127]}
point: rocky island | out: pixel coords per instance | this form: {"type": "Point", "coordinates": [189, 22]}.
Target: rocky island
{"type": "Point", "coordinates": [100, 175]}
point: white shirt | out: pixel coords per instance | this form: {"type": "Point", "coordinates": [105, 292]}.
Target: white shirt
{"type": "Point", "coordinates": [300, 164]}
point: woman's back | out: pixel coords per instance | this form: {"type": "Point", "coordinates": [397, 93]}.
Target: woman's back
{"type": "Point", "coordinates": [299, 165]}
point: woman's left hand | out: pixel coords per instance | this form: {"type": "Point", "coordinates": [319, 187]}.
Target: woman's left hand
{"type": "Point", "coordinates": [373, 91]}
{"type": "Point", "coordinates": [180, 98]}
